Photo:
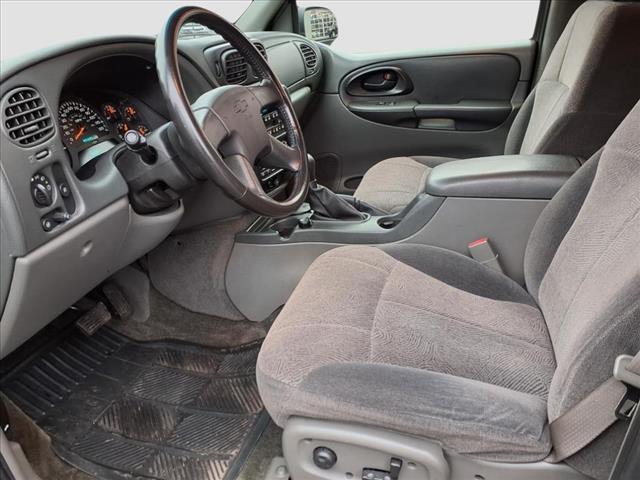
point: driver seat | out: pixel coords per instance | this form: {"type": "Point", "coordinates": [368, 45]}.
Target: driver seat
{"type": "Point", "coordinates": [432, 344]}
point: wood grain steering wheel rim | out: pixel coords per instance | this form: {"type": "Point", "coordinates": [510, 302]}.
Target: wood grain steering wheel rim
{"type": "Point", "coordinates": [223, 130]}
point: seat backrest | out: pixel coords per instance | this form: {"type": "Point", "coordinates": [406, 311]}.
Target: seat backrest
{"type": "Point", "coordinates": [583, 266]}
{"type": "Point", "coordinates": [591, 81]}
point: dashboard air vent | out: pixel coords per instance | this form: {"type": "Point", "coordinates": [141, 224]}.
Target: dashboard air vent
{"type": "Point", "coordinates": [26, 117]}
{"type": "Point", "coordinates": [261, 49]}
{"type": "Point", "coordinates": [310, 56]}
{"type": "Point", "coordinates": [236, 68]}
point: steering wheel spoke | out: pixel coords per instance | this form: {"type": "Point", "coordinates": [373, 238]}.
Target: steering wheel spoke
{"type": "Point", "coordinates": [212, 127]}
{"type": "Point", "coordinates": [266, 93]}
{"type": "Point", "coordinates": [244, 172]}
{"type": "Point", "coordinates": [281, 156]}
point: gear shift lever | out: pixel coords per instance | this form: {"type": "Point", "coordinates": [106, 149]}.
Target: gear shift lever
{"type": "Point", "coordinates": [329, 204]}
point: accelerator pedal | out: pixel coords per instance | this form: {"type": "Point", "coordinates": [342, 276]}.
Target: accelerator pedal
{"type": "Point", "coordinates": [93, 319]}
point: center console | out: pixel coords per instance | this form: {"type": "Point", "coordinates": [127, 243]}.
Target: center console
{"type": "Point", "coordinates": [272, 178]}
{"type": "Point", "coordinates": [496, 197]}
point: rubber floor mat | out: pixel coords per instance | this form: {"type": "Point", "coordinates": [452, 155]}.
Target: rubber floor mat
{"type": "Point", "coordinates": [117, 408]}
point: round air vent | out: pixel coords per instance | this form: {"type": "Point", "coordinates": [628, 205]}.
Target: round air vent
{"type": "Point", "coordinates": [25, 117]}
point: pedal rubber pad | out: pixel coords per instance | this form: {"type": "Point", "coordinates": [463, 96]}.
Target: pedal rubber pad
{"type": "Point", "coordinates": [117, 300]}
{"type": "Point", "coordinates": [92, 320]}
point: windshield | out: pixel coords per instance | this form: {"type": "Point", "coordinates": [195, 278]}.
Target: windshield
{"type": "Point", "coordinates": [53, 22]}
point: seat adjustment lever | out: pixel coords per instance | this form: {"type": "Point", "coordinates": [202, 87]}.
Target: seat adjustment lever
{"type": "Point", "coordinates": [629, 404]}
{"type": "Point", "coordinates": [395, 465]}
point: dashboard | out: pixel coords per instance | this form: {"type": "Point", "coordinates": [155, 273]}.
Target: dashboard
{"type": "Point", "coordinates": [68, 219]}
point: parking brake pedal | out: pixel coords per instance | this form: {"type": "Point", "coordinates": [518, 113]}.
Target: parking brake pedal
{"type": "Point", "coordinates": [395, 465]}
{"type": "Point", "coordinates": [93, 319]}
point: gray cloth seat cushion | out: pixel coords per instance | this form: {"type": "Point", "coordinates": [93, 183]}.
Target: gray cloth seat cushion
{"type": "Point", "coordinates": [385, 343]}
{"type": "Point", "coordinates": [390, 185]}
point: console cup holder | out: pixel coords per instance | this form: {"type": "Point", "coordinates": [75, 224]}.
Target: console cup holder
{"type": "Point", "coordinates": [388, 222]}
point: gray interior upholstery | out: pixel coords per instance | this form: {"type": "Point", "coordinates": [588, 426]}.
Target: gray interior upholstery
{"type": "Point", "coordinates": [390, 337]}
{"type": "Point", "coordinates": [377, 314]}
{"type": "Point", "coordinates": [591, 81]}
{"type": "Point", "coordinates": [519, 126]}
{"type": "Point", "coordinates": [446, 265]}
{"type": "Point", "coordinates": [554, 223]}
{"type": "Point", "coordinates": [590, 294]}
{"type": "Point", "coordinates": [391, 184]}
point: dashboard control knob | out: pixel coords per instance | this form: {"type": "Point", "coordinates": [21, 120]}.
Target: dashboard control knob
{"type": "Point", "coordinates": [65, 191]}
{"type": "Point", "coordinates": [48, 224]}
{"type": "Point", "coordinates": [41, 190]}
{"type": "Point", "coordinates": [52, 219]}
{"type": "Point", "coordinates": [60, 217]}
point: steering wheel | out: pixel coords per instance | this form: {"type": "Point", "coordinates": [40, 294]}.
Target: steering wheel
{"type": "Point", "coordinates": [223, 130]}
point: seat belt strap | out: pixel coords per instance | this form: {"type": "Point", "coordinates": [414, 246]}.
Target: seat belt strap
{"type": "Point", "coordinates": [588, 419]}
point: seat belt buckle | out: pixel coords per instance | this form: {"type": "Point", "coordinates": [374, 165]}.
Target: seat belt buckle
{"type": "Point", "coordinates": [482, 251]}
{"type": "Point", "coordinates": [628, 405]}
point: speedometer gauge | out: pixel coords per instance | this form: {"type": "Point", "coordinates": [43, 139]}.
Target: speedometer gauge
{"type": "Point", "coordinates": [81, 124]}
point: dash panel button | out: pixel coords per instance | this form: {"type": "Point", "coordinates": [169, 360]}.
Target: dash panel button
{"type": "Point", "coordinates": [65, 191]}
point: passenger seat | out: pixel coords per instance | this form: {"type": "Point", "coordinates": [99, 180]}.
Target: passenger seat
{"type": "Point", "coordinates": [591, 81]}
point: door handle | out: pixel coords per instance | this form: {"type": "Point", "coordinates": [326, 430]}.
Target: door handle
{"type": "Point", "coordinates": [380, 81]}
{"type": "Point", "coordinates": [378, 87]}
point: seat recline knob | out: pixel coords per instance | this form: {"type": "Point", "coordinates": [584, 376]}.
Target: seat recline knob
{"type": "Point", "coordinates": [324, 458]}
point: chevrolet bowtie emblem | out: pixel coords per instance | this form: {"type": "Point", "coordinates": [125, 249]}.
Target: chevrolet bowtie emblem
{"type": "Point", "coordinates": [240, 106]}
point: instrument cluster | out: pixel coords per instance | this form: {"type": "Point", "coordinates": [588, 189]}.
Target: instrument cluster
{"type": "Point", "coordinates": [84, 123]}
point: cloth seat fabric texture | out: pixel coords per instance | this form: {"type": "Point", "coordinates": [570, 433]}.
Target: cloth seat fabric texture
{"type": "Point", "coordinates": [428, 342]}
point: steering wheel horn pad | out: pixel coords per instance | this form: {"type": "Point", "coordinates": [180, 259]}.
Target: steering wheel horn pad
{"type": "Point", "coordinates": [223, 130]}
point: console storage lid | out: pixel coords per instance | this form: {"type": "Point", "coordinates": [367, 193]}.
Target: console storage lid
{"type": "Point", "coordinates": [503, 176]}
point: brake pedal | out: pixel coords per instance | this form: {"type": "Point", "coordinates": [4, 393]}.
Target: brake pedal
{"type": "Point", "coordinates": [93, 319]}
{"type": "Point", "coordinates": [117, 300]}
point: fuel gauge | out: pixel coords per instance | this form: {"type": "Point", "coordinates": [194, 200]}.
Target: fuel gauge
{"type": "Point", "coordinates": [129, 113]}
{"type": "Point", "coordinates": [143, 130]}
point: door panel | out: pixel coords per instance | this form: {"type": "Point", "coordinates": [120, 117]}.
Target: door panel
{"type": "Point", "coordinates": [454, 104]}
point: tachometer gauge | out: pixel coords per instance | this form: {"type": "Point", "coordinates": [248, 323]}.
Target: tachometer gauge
{"type": "Point", "coordinates": [81, 124]}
